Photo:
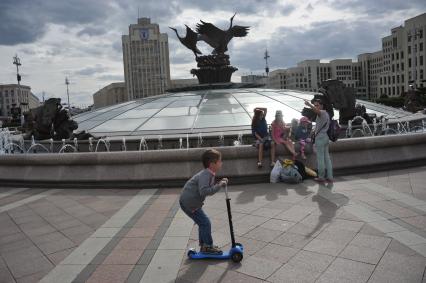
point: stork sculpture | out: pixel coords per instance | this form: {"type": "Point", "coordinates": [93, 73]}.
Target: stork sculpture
{"type": "Point", "coordinates": [217, 38]}
{"type": "Point", "coordinates": [213, 68]}
{"type": "Point", "coordinates": [190, 40]}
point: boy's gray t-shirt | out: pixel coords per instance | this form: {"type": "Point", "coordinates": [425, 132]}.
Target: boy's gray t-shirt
{"type": "Point", "coordinates": [197, 188]}
{"type": "Point", "coordinates": [322, 123]}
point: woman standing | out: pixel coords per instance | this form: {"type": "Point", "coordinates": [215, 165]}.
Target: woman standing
{"type": "Point", "coordinates": [322, 142]}
{"type": "Point", "coordinates": [281, 133]}
{"type": "Point", "coordinates": [259, 129]}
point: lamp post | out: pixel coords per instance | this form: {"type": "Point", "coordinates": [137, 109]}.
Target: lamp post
{"type": "Point", "coordinates": [68, 93]}
{"type": "Point", "coordinates": [17, 62]}
{"type": "Point", "coordinates": [266, 61]}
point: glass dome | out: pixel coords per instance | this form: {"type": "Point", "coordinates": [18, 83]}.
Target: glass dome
{"type": "Point", "coordinates": [209, 112]}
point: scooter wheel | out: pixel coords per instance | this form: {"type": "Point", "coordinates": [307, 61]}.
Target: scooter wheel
{"type": "Point", "coordinates": [191, 253]}
{"type": "Point", "coordinates": [237, 257]}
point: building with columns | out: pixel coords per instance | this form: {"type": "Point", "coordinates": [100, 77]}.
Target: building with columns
{"type": "Point", "coordinates": [111, 94]}
{"type": "Point", "coordinates": [371, 65]}
{"type": "Point", "coordinates": [254, 79]}
{"type": "Point", "coordinates": [389, 71]}
{"type": "Point", "coordinates": [146, 60]}
{"type": "Point", "coordinates": [13, 95]}
{"type": "Point", "coordinates": [415, 45]}
{"type": "Point", "coordinates": [177, 83]}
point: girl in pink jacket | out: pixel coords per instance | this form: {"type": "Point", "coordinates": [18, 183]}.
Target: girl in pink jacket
{"type": "Point", "coordinates": [281, 133]}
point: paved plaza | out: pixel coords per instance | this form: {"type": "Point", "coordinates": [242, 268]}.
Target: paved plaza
{"type": "Point", "coordinates": [364, 228]}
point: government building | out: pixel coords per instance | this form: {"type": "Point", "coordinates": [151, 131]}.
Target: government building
{"type": "Point", "coordinates": [146, 60]}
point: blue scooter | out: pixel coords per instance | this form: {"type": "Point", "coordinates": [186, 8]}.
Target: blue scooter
{"type": "Point", "coordinates": [236, 251]}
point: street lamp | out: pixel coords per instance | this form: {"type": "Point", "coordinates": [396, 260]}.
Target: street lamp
{"type": "Point", "coordinates": [17, 62]}
{"type": "Point", "coordinates": [68, 93]}
{"type": "Point", "coordinates": [266, 61]}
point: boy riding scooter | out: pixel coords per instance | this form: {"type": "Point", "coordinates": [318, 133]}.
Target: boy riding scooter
{"type": "Point", "coordinates": [194, 193]}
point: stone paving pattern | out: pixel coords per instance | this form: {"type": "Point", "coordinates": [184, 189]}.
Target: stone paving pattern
{"type": "Point", "coordinates": [364, 228]}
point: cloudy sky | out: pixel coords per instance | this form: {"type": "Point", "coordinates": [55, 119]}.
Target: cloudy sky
{"type": "Point", "coordinates": [81, 39]}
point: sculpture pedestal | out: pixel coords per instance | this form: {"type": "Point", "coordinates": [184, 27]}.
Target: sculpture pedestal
{"type": "Point", "coordinates": [213, 69]}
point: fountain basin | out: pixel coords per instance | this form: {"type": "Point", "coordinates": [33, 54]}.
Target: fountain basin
{"type": "Point", "coordinates": [172, 167]}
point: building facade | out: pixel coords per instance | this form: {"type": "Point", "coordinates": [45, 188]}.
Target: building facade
{"type": "Point", "coordinates": [277, 79]}
{"type": "Point", "coordinates": [371, 65]}
{"type": "Point", "coordinates": [33, 101]}
{"type": "Point", "coordinates": [404, 56]}
{"type": "Point", "coordinates": [315, 73]}
{"type": "Point", "coordinates": [146, 60]}
{"type": "Point", "coordinates": [309, 74]}
{"type": "Point", "coordinates": [415, 45]}
{"type": "Point", "coordinates": [392, 79]}
{"type": "Point", "coordinates": [13, 95]}
{"type": "Point", "coordinates": [254, 79]}
{"type": "Point", "coordinates": [390, 71]}
{"type": "Point", "coordinates": [177, 83]}
{"type": "Point", "coordinates": [111, 94]}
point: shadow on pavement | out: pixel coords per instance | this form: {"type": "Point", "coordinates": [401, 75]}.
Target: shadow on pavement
{"type": "Point", "coordinates": [328, 204]}
{"type": "Point", "coordinates": [272, 193]}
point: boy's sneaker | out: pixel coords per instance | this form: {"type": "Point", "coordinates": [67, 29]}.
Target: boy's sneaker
{"type": "Point", "coordinates": [211, 250]}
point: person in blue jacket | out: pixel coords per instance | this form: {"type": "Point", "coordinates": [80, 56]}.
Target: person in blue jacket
{"type": "Point", "coordinates": [260, 132]}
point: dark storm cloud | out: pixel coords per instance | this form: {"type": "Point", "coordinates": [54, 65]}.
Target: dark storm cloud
{"type": "Point", "coordinates": [25, 21]}
{"type": "Point", "coordinates": [92, 31]}
{"type": "Point", "coordinates": [288, 46]}
{"type": "Point", "coordinates": [160, 12]}
{"type": "Point", "coordinates": [243, 7]}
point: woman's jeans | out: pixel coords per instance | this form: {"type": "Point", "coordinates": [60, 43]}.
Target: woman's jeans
{"type": "Point", "coordinates": [323, 156]}
{"type": "Point", "coordinates": [204, 225]}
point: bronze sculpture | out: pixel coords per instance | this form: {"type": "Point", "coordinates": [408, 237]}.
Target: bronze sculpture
{"type": "Point", "coordinates": [335, 95]}
{"type": "Point", "coordinates": [190, 40]}
{"type": "Point", "coordinates": [217, 38]}
{"type": "Point", "coordinates": [49, 121]}
{"type": "Point", "coordinates": [213, 68]}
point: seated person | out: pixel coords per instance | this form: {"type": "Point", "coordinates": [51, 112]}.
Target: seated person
{"type": "Point", "coordinates": [302, 134]}
{"type": "Point", "coordinates": [281, 133]}
{"type": "Point", "coordinates": [259, 129]}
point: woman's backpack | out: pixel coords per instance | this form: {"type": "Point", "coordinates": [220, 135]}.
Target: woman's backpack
{"type": "Point", "coordinates": [333, 130]}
